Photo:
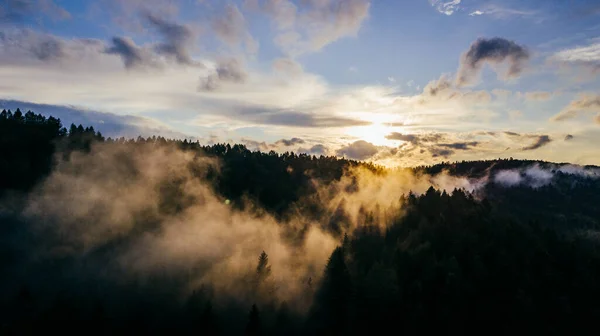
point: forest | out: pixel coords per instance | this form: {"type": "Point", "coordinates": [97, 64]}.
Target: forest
{"type": "Point", "coordinates": [106, 236]}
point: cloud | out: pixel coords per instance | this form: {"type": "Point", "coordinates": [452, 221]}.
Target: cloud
{"type": "Point", "coordinates": [358, 150]}
{"type": "Point", "coordinates": [42, 47]}
{"type": "Point", "coordinates": [256, 145]}
{"type": "Point", "coordinates": [290, 142]}
{"type": "Point", "coordinates": [443, 90]}
{"type": "Point", "coordinates": [22, 46]}
{"type": "Point", "coordinates": [318, 149]}
{"type": "Point", "coordinates": [493, 51]}
{"type": "Point", "coordinates": [132, 55]}
{"type": "Point", "coordinates": [540, 142]}
{"type": "Point", "coordinates": [230, 27]}
{"type": "Point", "coordinates": [460, 145]}
{"type": "Point", "coordinates": [109, 124]}
{"type": "Point", "coordinates": [402, 137]}
{"type": "Point", "coordinates": [537, 95]}
{"type": "Point", "coordinates": [500, 12]}
{"type": "Point", "coordinates": [508, 178]}
{"type": "Point", "coordinates": [177, 39]}
{"type": "Point", "coordinates": [287, 66]}
{"type": "Point", "coordinates": [585, 103]}
{"type": "Point", "coordinates": [298, 119]}
{"type": "Point", "coordinates": [308, 26]}
{"type": "Point", "coordinates": [17, 11]}
{"type": "Point", "coordinates": [447, 149]}
{"type": "Point", "coordinates": [446, 7]}
{"type": "Point", "coordinates": [585, 56]}
{"type": "Point", "coordinates": [416, 138]}
{"type": "Point", "coordinates": [227, 70]}
{"type": "Point", "coordinates": [440, 152]}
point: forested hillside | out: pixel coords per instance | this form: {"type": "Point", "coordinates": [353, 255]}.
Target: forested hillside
{"type": "Point", "coordinates": [154, 236]}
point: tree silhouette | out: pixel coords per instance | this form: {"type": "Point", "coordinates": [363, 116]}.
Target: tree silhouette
{"type": "Point", "coordinates": [253, 327]}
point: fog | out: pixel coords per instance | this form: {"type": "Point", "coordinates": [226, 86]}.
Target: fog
{"type": "Point", "coordinates": [133, 213]}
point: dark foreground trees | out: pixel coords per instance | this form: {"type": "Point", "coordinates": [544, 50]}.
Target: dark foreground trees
{"type": "Point", "coordinates": [509, 261]}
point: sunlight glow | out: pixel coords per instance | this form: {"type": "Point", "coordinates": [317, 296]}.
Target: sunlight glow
{"type": "Point", "coordinates": [376, 132]}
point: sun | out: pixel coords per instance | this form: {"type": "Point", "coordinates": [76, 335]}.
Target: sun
{"type": "Point", "coordinates": [376, 132]}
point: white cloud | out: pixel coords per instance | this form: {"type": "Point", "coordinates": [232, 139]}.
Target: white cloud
{"type": "Point", "coordinates": [587, 56]}
{"type": "Point", "coordinates": [500, 12]}
{"type": "Point", "coordinates": [446, 7]}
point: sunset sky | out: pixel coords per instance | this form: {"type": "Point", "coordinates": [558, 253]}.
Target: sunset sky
{"type": "Point", "coordinates": [396, 82]}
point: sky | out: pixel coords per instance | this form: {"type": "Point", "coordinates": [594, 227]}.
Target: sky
{"type": "Point", "coordinates": [398, 83]}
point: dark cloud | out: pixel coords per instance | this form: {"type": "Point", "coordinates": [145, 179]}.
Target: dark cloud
{"type": "Point", "coordinates": [440, 152]}
{"type": "Point", "coordinates": [177, 39]}
{"type": "Point", "coordinates": [569, 137]}
{"type": "Point", "coordinates": [493, 51]}
{"type": "Point", "coordinates": [298, 119]}
{"type": "Point", "coordinates": [402, 137]}
{"type": "Point", "coordinates": [445, 150]}
{"type": "Point", "coordinates": [460, 145]}
{"type": "Point", "coordinates": [132, 55]}
{"type": "Point", "coordinates": [269, 115]}
{"type": "Point", "coordinates": [42, 47]}
{"type": "Point", "coordinates": [359, 150]}
{"type": "Point", "coordinates": [229, 70]}
{"type": "Point", "coordinates": [290, 142]}
{"type": "Point", "coordinates": [416, 138]}
{"type": "Point", "coordinates": [111, 125]}
{"type": "Point", "coordinates": [541, 141]}
{"type": "Point", "coordinates": [512, 134]}
{"type": "Point", "coordinates": [583, 104]}
{"type": "Point", "coordinates": [444, 90]}
{"type": "Point", "coordinates": [48, 49]}
{"type": "Point", "coordinates": [18, 11]}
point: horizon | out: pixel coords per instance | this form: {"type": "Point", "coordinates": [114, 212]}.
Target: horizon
{"type": "Point", "coordinates": [396, 84]}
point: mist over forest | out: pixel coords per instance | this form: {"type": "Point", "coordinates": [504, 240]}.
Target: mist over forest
{"type": "Point", "coordinates": [109, 236]}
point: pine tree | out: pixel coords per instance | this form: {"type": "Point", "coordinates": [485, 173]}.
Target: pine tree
{"type": "Point", "coordinates": [253, 327]}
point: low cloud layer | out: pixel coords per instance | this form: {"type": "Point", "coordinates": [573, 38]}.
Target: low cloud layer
{"type": "Point", "coordinates": [495, 52]}
{"type": "Point", "coordinates": [109, 124]}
